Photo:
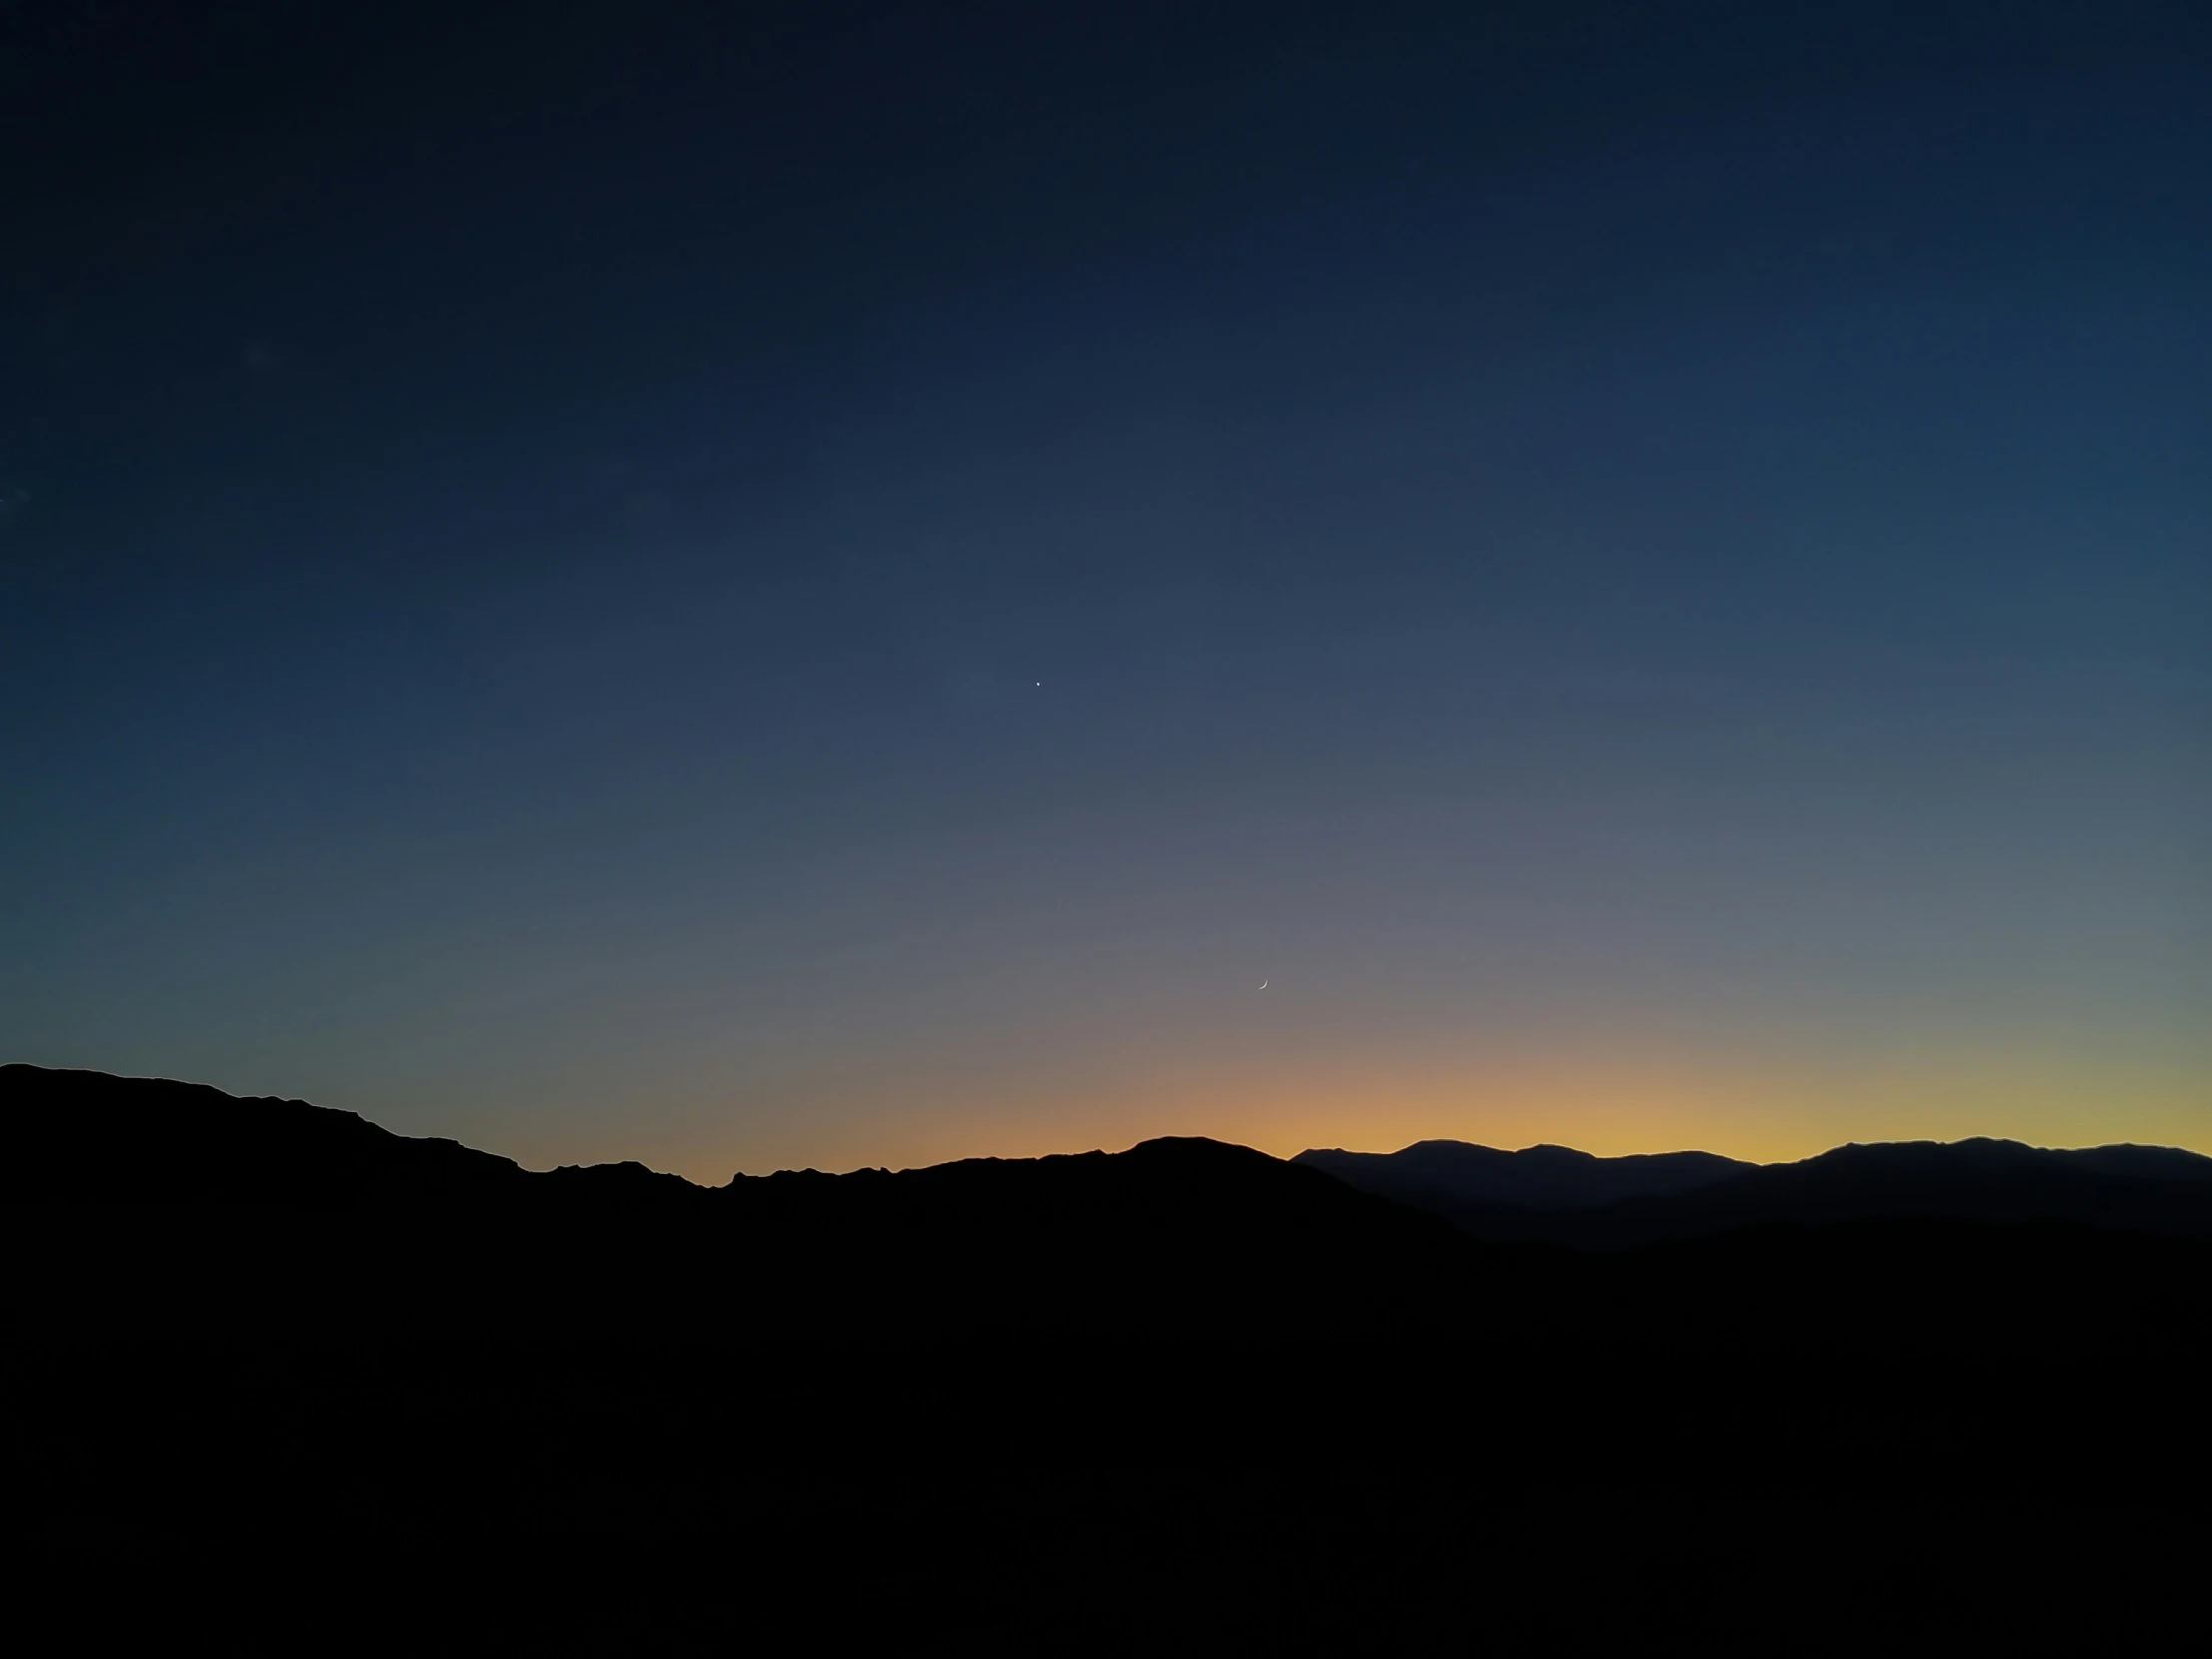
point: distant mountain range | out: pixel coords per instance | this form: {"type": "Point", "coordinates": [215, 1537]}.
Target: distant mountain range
{"type": "Point", "coordinates": [245, 1326]}
{"type": "Point", "coordinates": [1558, 1195]}
{"type": "Point", "coordinates": [80, 1137]}
{"type": "Point", "coordinates": [1175, 1236]}
{"type": "Point", "coordinates": [1535, 1178]}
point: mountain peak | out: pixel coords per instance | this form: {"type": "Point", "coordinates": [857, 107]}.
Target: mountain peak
{"type": "Point", "coordinates": [1547, 1177]}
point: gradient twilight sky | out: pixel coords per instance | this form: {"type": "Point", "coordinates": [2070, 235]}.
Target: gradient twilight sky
{"type": "Point", "coordinates": [840, 583]}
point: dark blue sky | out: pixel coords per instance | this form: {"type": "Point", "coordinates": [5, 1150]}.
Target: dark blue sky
{"type": "Point", "coordinates": [809, 584]}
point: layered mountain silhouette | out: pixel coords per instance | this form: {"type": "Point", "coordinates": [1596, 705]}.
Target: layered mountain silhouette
{"type": "Point", "coordinates": [1556, 1194]}
{"type": "Point", "coordinates": [1182, 1397]}
{"type": "Point", "coordinates": [1178, 1234]}
{"type": "Point", "coordinates": [1433, 1174]}
{"type": "Point", "coordinates": [1174, 1237]}
{"type": "Point", "coordinates": [89, 1138]}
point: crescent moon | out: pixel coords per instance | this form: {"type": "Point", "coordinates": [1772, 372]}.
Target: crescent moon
{"type": "Point", "coordinates": [1263, 984]}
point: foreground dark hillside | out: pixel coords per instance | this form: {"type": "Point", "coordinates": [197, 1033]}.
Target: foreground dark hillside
{"type": "Point", "coordinates": [277, 1210]}
{"type": "Point", "coordinates": [1186, 1397]}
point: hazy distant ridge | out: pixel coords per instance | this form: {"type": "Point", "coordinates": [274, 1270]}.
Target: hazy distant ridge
{"type": "Point", "coordinates": [1537, 1177]}
{"type": "Point", "coordinates": [1556, 1194]}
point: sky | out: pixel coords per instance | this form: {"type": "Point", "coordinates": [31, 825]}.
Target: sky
{"type": "Point", "coordinates": [839, 585]}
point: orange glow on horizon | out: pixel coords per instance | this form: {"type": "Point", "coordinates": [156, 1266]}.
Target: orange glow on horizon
{"type": "Point", "coordinates": [1770, 1113]}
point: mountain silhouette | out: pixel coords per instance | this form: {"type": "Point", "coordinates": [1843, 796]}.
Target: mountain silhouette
{"type": "Point", "coordinates": [2135, 1188]}
{"type": "Point", "coordinates": [87, 1138]}
{"type": "Point", "coordinates": [84, 1137]}
{"type": "Point", "coordinates": [1173, 1238]}
{"type": "Point", "coordinates": [1557, 1195]}
{"type": "Point", "coordinates": [1184, 1395]}
{"type": "Point", "coordinates": [1431, 1173]}
{"type": "Point", "coordinates": [1176, 1234]}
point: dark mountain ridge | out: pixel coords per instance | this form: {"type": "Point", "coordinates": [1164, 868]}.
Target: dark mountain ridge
{"type": "Point", "coordinates": [1173, 1235]}
{"type": "Point", "coordinates": [1536, 1177]}
{"type": "Point", "coordinates": [89, 1138]}
{"type": "Point", "coordinates": [1557, 1195]}
{"type": "Point", "coordinates": [172, 1210]}
{"type": "Point", "coordinates": [1104, 1389]}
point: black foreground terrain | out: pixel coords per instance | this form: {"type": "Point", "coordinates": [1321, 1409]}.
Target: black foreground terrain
{"type": "Point", "coordinates": [1186, 1397]}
